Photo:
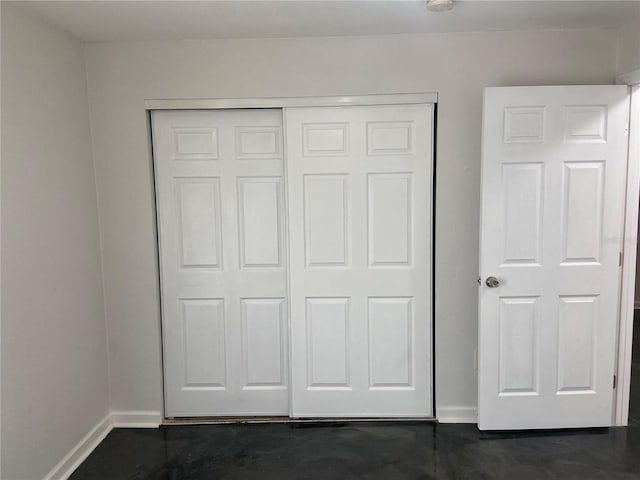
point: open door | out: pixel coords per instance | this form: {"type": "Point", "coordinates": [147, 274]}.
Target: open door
{"type": "Point", "coordinates": [553, 180]}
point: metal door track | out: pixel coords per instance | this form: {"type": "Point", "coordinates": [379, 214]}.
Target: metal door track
{"type": "Point", "coordinates": [252, 420]}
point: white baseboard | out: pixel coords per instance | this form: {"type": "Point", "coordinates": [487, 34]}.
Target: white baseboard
{"type": "Point", "coordinates": [457, 414]}
{"type": "Point", "coordinates": [81, 451]}
{"type": "Point", "coordinates": [136, 419]}
{"type": "Point", "coordinates": [77, 455]}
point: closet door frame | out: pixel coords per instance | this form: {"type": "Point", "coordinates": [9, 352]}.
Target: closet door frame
{"type": "Point", "coordinates": [282, 103]}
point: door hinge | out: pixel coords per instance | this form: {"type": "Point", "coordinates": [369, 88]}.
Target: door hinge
{"type": "Point", "coordinates": [626, 129]}
{"type": "Point", "coordinates": [620, 257]}
{"type": "Point", "coordinates": [615, 381]}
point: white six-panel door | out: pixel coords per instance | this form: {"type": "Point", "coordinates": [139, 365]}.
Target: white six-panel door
{"type": "Point", "coordinates": [553, 176]}
{"type": "Point", "coordinates": [223, 259]}
{"type": "Point", "coordinates": [359, 199]}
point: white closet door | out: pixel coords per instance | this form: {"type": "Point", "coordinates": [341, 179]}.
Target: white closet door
{"type": "Point", "coordinates": [359, 190]}
{"type": "Point", "coordinates": [223, 260]}
{"type": "Point", "coordinates": [553, 181]}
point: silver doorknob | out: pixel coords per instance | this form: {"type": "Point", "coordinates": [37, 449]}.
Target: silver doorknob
{"type": "Point", "coordinates": [492, 282]}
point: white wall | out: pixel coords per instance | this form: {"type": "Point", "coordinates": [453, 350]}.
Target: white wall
{"type": "Point", "coordinates": [628, 59]}
{"type": "Point", "coordinates": [54, 359]}
{"type": "Point", "coordinates": [628, 54]}
{"type": "Point", "coordinates": [457, 66]}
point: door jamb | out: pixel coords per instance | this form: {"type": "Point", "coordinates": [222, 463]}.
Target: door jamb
{"type": "Point", "coordinates": [629, 253]}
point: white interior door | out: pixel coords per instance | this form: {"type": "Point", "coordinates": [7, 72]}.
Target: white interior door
{"type": "Point", "coordinates": [359, 197]}
{"type": "Point", "coordinates": [553, 178]}
{"type": "Point", "coordinates": [223, 261]}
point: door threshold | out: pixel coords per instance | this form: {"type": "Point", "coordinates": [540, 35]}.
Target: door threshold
{"type": "Point", "coordinates": [253, 420]}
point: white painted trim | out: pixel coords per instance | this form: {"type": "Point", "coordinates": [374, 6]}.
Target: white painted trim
{"type": "Point", "coordinates": [81, 451]}
{"type": "Point", "coordinates": [457, 414]}
{"type": "Point", "coordinates": [283, 102]}
{"type": "Point", "coordinates": [629, 78]}
{"type": "Point", "coordinates": [78, 454]}
{"type": "Point", "coordinates": [627, 288]}
{"type": "Point", "coordinates": [136, 419]}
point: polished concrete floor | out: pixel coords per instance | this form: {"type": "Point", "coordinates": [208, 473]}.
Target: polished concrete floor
{"type": "Point", "coordinates": [368, 451]}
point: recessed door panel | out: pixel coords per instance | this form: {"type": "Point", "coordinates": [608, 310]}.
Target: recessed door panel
{"type": "Point", "coordinates": [325, 220]}
{"type": "Point", "coordinates": [258, 143]}
{"type": "Point", "coordinates": [204, 341]}
{"type": "Point", "coordinates": [325, 139]}
{"type": "Point", "coordinates": [195, 143]}
{"type": "Point", "coordinates": [390, 138]}
{"type": "Point", "coordinates": [577, 322]}
{"type": "Point", "coordinates": [260, 212]}
{"type": "Point", "coordinates": [328, 342]}
{"type": "Point", "coordinates": [390, 343]}
{"type": "Point", "coordinates": [522, 205]}
{"type": "Point", "coordinates": [524, 124]}
{"type": "Point", "coordinates": [582, 207]}
{"type": "Point", "coordinates": [263, 335]}
{"type": "Point", "coordinates": [390, 215]}
{"type": "Point", "coordinates": [586, 124]}
{"type": "Point", "coordinates": [519, 357]}
{"type": "Point", "coordinates": [199, 220]}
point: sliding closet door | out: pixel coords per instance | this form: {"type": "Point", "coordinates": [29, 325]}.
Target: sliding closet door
{"type": "Point", "coordinates": [223, 261]}
{"type": "Point", "coordinates": [359, 191]}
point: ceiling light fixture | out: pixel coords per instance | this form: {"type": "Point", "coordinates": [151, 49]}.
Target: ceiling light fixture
{"type": "Point", "coordinates": [439, 5]}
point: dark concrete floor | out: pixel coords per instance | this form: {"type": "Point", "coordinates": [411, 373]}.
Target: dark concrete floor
{"type": "Point", "coordinates": [634, 406]}
{"type": "Point", "coordinates": [362, 451]}
{"type": "Point", "coordinates": [389, 450]}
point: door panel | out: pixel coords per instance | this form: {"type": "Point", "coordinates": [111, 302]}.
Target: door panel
{"type": "Point", "coordinates": [359, 190]}
{"type": "Point", "coordinates": [223, 260]}
{"type": "Point", "coordinates": [519, 319]}
{"type": "Point", "coordinates": [263, 338]}
{"type": "Point", "coordinates": [199, 219]}
{"type": "Point", "coordinates": [390, 235]}
{"type": "Point", "coordinates": [390, 343]}
{"type": "Point", "coordinates": [553, 176]}
{"type": "Point", "coordinates": [326, 220]}
{"type": "Point", "coordinates": [260, 221]}
{"type": "Point", "coordinates": [328, 342]}
{"type": "Point", "coordinates": [204, 343]}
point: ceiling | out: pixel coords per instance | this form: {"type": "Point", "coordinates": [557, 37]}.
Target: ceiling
{"type": "Point", "coordinates": [105, 21]}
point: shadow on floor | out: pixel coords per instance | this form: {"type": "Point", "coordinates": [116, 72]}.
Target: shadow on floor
{"type": "Point", "coordinates": [634, 406]}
